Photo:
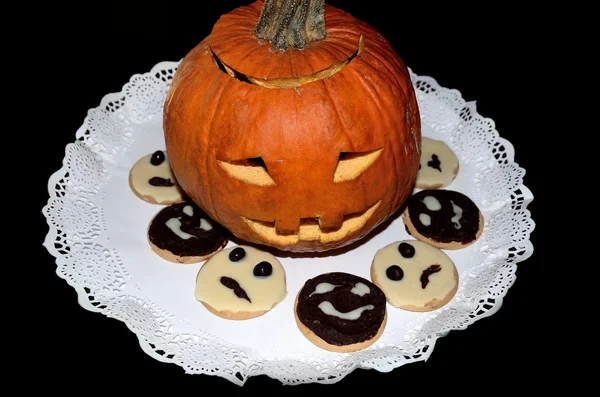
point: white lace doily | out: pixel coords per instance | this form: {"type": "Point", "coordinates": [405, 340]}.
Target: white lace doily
{"type": "Point", "coordinates": [97, 232]}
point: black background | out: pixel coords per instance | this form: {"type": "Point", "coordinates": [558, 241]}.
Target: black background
{"type": "Point", "coordinates": [93, 50]}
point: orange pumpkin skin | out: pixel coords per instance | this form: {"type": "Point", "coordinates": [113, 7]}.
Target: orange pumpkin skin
{"type": "Point", "coordinates": [299, 133]}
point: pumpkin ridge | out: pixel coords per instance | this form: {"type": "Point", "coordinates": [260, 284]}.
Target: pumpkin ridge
{"type": "Point", "coordinates": [391, 69]}
{"type": "Point", "coordinates": [377, 99]}
{"type": "Point", "coordinates": [208, 139]}
{"type": "Point", "coordinates": [337, 110]}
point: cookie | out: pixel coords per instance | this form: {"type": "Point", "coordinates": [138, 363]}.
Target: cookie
{"type": "Point", "coordinates": [341, 312]}
{"type": "Point", "coordinates": [414, 275]}
{"type": "Point", "coordinates": [152, 180]}
{"type": "Point", "coordinates": [438, 167]}
{"type": "Point", "coordinates": [240, 283]}
{"type": "Point", "coordinates": [443, 218]}
{"type": "Point", "coordinates": [183, 233]}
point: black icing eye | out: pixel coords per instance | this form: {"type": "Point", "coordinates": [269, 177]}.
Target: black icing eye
{"type": "Point", "coordinates": [263, 269]}
{"type": "Point", "coordinates": [395, 273]}
{"type": "Point", "coordinates": [406, 250]}
{"type": "Point", "coordinates": [157, 157]}
{"type": "Point", "coordinates": [237, 254]}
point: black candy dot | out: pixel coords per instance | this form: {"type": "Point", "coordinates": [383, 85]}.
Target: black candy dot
{"type": "Point", "coordinates": [406, 250]}
{"type": "Point", "coordinates": [394, 273]}
{"type": "Point", "coordinates": [237, 254]}
{"type": "Point", "coordinates": [263, 269]}
{"type": "Point", "coordinates": [157, 158]}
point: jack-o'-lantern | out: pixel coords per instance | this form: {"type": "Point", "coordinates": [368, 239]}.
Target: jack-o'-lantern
{"type": "Point", "coordinates": [294, 125]}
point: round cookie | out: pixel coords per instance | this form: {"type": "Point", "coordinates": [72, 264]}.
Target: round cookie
{"type": "Point", "coordinates": [414, 275]}
{"type": "Point", "coordinates": [438, 167]}
{"type": "Point", "coordinates": [341, 312]}
{"type": "Point", "coordinates": [183, 233]}
{"type": "Point", "coordinates": [446, 219]}
{"type": "Point", "coordinates": [240, 283]}
{"type": "Point", "coordinates": [152, 180]}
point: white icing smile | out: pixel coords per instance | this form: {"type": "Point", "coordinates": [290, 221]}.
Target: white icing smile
{"type": "Point", "coordinates": [175, 225]}
{"type": "Point", "coordinates": [327, 308]}
{"type": "Point", "coordinates": [457, 215]}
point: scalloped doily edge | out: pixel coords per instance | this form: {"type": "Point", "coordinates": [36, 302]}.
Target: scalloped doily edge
{"type": "Point", "coordinates": [83, 296]}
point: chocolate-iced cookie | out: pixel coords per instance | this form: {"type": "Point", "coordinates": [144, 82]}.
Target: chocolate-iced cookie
{"type": "Point", "coordinates": [341, 312]}
{"type": "Point", "coordinates": [183, 233]}
{"type": "Point", "coordinates": [240, 283]}
{"type": "Point", "coordinates": [414, 275]}
{"type": "Point", "coordinates": [443, 218]}
{"type": "Point", "coordinates": [438, 166]}
{"type": "Point", "coordinates": [152, 180]}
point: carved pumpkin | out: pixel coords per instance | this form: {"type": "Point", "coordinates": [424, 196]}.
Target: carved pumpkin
{"type": "Point", "coordinates": [294, 125]}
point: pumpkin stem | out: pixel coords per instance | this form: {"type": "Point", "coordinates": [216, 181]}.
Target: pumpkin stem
{"type": "Point", "coordinates": [291, 23]}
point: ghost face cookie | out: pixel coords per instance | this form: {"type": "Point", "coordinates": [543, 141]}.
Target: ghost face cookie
{"type": "Point", "coordinates": [414, 275]}
{"type": "Point", "coordinates": [183, 233]}
{"type": "Point", "coordinates": [152, 180]}
{"type": "Point", "coordinates": [240, 283]}
{"type": "Point", "coordinates": [341, 312]}
{"type": "Point", "coordinates": [443, 218]}
{"type": "Point", "coordinates": [438, 167]}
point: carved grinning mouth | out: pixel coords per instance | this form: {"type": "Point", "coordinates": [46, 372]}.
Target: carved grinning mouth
{"type": "Point", "coordinates": [310, 231]}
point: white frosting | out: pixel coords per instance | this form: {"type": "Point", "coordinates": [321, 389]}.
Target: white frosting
{"type": "Point", "coordinates": [360, 289]}
{"type": "Point", "coordinates": [142, 171]}
{"type": "Point", "coordinates": [425, 219]}
{"type": "Point", "coordinates": [429, 177]}
{"type": "Point", "coordinates": [175, 225]}
{"type": "Point", "coordinates": [188, 210]}
{"type": "Point", "coordinates": [327, 308]}
{"type": "Point", "coordinates": [457, 215]}
{"type": "Point", "coordinates": [432, 203]}
{"type": "Point", "coordinates": [204, 224]}
{"type": "Point", "coordinates": [408, 290]}
{"type": "Point", "coordinates": [323, 288]}
{"type": "Point", "coordinates": [265, 292]}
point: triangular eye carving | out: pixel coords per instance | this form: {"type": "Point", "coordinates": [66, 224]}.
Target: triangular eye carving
{"type": "Point", "coordinates": [253, 171]}
{"type": "Point", "coordinates": [352, 164]}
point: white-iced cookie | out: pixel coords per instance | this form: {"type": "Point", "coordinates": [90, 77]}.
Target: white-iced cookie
{"type": "Point", "coordinates": [414, 275]}
{"type": "Point", "coordinates": [439, 165]}
{"type": "Point", "coordinates": [152, 180]}
{"type": "Point", "coordinates": [240, 283]}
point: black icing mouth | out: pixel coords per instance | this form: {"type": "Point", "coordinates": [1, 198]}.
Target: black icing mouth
{"type": "Point", "coordinates": [235, 286]}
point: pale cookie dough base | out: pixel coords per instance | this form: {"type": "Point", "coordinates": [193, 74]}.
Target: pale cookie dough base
{"type": "Point", "coordinates": [230, 315]}
{"type": "Point", "coordinates": [449, 246]}
{"type": "Point", "coordinates": [311, 336]}
{"type": "Point", "coordinates": [151, 199]}
{"type": "Point", "coordinates": [165, 254]}
{"type": "Point", "coordinates": [438, 185]}
{"type": "Point", "coordinates": [429, 306]}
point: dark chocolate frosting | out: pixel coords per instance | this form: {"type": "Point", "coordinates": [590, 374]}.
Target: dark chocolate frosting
{"type": "Point", "coordinates": [334, 330]}
{"type": "Point", "coordinates": [203, 243]}
{"type": "Point", "coordinates": [442, 229]}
